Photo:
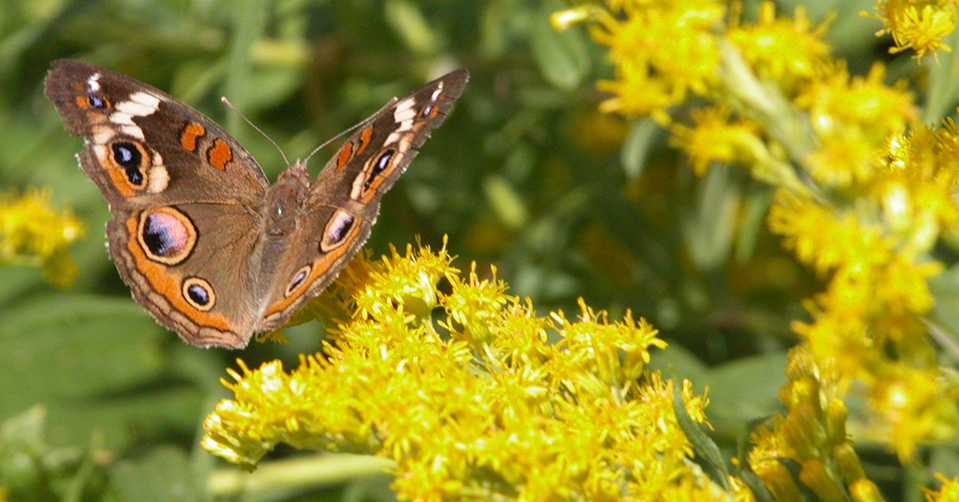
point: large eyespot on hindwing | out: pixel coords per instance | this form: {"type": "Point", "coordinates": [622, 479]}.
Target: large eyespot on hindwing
{"type": "Point", "coordinates": [298, 279]}
{"type": "Point", "coordinates": [133, 159]}
{"type": "Point", "coordinates": [337, 229]}
{"type": "Point", "coordinates": [166, 235]}
{"type": "Point", "coordinates": [199, 294]}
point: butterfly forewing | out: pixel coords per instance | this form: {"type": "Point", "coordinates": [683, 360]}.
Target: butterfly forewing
{"type": "Point", "coordinates": [344, 200]}
{"type": "Point", "coordinates": [144, 146]}
{"type": "Point", "coordinates": [369, 163]}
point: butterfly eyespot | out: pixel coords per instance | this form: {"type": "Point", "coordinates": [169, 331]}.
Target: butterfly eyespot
{"type": "Point", "coordinates": [131, 158]}
{"type": "Point", "coordinates": [166, 235]}
{"type": "Point", "coordinates": [199, 294]}
{"type": "Point", "coordinates": [298, 279]}
{"type": "Point", "coordinates": [379, 165]}
{"type": "Point", "coordinates": [97, 101]}
{"type": "Point", "coordinates": [427, 111]}
{"type": "Point", "coordinates": [337, 229]}
{"type": "Point", "coordinates": [382, 162]}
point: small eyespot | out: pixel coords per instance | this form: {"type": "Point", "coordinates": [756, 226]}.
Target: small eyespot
{"type": "Point", "coordinates": [426, 111]}
{"type": "Point", "coordinates": [337, 229]}
{"type": "Point", "coordinates": [298, 279]}
{"type": "Point", "coordinates": [129, 156]}
{"type": "Point", "coordinates": [97, 101]}
{"type": "Point", "coordinates": [199, 294]}
{"type": "Point", "coordinates": [379, 165]}
{"type": "Point", "coordinates": [382, 162]}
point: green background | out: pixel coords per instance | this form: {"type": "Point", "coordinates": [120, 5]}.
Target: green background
{"type": "Point", "coordinates": [99, 403]}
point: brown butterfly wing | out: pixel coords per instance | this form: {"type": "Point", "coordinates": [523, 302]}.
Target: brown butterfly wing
{"type": "Point", "coordinates": [193, 267]}
{"type": "Point", "coordinates": [185, 198]}
{"type": "Point", "coordinates": [345, 198]}
{"type": "Point", "coordinates": [144, 148]}
{"type": "Point", "coordinates": [375, 156]}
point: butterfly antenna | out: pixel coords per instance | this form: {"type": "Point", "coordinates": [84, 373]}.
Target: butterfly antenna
{"type": "Point", "coordinates": [227, 103]}
{"type": "Point", "coordinates": [351, 129]}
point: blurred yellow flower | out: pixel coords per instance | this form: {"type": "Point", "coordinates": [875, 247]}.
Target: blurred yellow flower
{"type": "Point", "coordinates": [715, 137]}
{"type": "Point", "coordinates": [788, 51]}
{"type": "Point", "coordinates": [662, 50]}
{"type": "Point", "coordinates": [948, 492]}
{"type": "Point", "coordinates": [34, 233]}
{"type": "Point", "coordinates": [479, 404]}
{"type": "Point", "coordinates": [853, 117]}
{"type": "Point", "coordinates": [864, 192]}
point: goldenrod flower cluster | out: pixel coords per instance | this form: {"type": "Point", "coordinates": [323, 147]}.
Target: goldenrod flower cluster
{"type": "Point", "coordinates": [918, 25]}
{"type": "Point", "coordinates": [863, 192]}
{"type": "Point", "coordinates": [33, 233]}
{"type": "Point", "coordinates": [810, 438]}
{"type": "Point", "coordinates": [471, 395]}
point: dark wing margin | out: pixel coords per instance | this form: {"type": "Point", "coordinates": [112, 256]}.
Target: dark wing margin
{"type": "Point", "coordinates": [369, 163]}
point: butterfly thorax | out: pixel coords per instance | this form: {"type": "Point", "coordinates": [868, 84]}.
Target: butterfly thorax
{"type": "Point", "coordinates": [285, 200]}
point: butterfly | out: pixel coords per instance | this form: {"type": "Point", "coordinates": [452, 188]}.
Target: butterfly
{"type": "Point", "coordinates": [207, 245]}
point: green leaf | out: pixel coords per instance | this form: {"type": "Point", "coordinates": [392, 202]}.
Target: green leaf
{"type": "Point", "coordinates": [709, 226]}
{"type": "Point", "coordinates": [704, 446]}
{"type": "Point", "coordinates": [944, 318]}
{"type": "Point", "coordinates": [753, 221]}
{"type": "Point", "coordinates": [562, 57]}
{"type": "Point", "coordinates": [94, 362]}
{"type": "Point", "coordinates": [757, 486]}
{"type": "Point", "coordinates": [640, 140]}
{"type": "Point", "coordinates": [161, 476]}
{"type": "Point", "coordinates": [507, 203]}
{"type": "Point", "coordinates": [408, 21]}
{"type": "Point", "coordinates": [747, 388]}
{"type": "Point", "coordinates": [943, 81]}
{"type": "Point", "coordinates": [678, 360]}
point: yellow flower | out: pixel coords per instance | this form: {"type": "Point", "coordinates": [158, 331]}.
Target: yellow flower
{"type": "Point", "coordinates": [32, 232]}
{"type": "Point", "coordinates": [786, 51]}
{"type": "Point", "coordinates": [854, 117]}
{"type": "Point", "coordinates": [919, 25]}
{"type": "Point", "coordinates": [662, 50]}
{"type": "Point", "coordinates": [919, 406]}
{"type": "Point", "coordinates": [811, 436]}
{"type": "Point", "coordinates": [948, 492]}
{"type": "Point", "coordinates": [478, 405]}
{"type": "Point", "coordinates": [714, 137]}
{"type": "Point", "coordinates": [824, 239]}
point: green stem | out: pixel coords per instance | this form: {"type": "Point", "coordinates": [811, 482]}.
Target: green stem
{"type": "Point", "coordinates": [297, 473]}
{"type": "Point", "coordinates": [778, 117]}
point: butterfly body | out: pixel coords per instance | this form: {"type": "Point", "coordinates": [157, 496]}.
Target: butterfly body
{"type": "Point", "coordinates": [205, 242]}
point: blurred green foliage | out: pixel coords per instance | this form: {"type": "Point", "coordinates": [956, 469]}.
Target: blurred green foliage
{"type": "Point", "coordinates": [100, 403]}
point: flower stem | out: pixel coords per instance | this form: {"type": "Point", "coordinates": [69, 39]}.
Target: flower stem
{"type": "Point", "coordinates": [778, 117]}
{"type": "Point", "coordinates": [296, 473]}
